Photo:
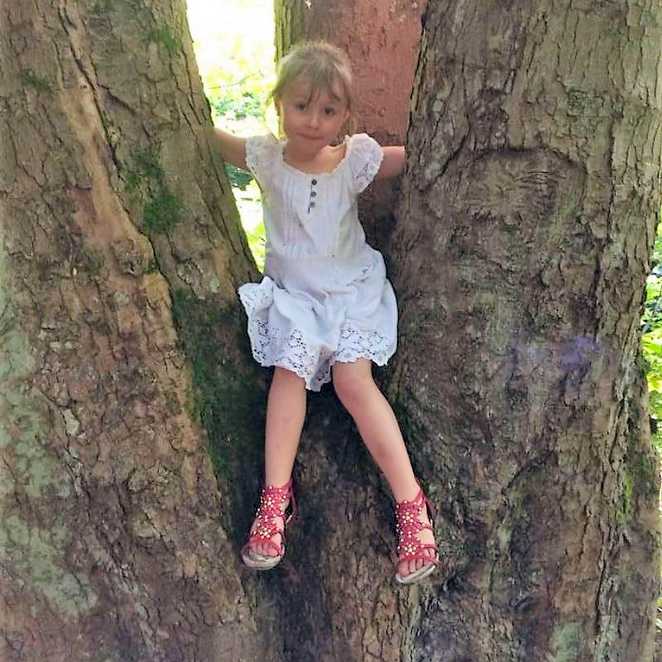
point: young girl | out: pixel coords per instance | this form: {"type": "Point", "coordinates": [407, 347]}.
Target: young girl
{"type": "Point", "coordinates": [324, 308]}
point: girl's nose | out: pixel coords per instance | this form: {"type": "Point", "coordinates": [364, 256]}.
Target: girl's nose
{"type": "Point", "coordinates": [314, 118]}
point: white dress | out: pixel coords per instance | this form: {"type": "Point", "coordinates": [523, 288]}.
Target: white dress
{"type": "Point", "coordinates": [324, 297]}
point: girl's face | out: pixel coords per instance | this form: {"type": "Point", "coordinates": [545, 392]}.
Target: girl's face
{"type": "Point", "coordinates": [312, 119]}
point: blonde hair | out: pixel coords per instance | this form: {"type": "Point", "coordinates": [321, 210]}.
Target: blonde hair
{"type": "Point", "coordinates": [321, 64]}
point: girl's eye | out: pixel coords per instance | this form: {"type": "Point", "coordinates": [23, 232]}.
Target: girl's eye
{"type": "Point", "coordinates": [300, 106]}
{"type": "Point", "coordinates": [330, 111]}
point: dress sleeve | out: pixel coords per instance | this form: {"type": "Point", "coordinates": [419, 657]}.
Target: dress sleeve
{"type": "Point", "coordinates": [261, 152]}
{"type": "Point", "coordinates": [365, 157]}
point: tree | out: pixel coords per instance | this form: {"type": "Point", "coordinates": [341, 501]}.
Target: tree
{"type": "Point", "coordinates": [519, 256]}
{"type": "Point", "coordinates": [120, 242]}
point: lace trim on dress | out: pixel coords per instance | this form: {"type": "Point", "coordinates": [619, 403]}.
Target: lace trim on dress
{"type": "Point", "coordinates": [302, 358]}
{"type": "Point", "coordinates": [309, 362]}
{"type": "Point", "coordinates": [360, 344]}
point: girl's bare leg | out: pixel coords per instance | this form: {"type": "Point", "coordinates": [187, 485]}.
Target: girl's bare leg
{"type": "Point", "coordinates": [380, 432]}
{"type": "Point", "coordinates": [286, 409]}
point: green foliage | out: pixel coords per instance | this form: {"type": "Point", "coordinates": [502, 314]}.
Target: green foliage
{"type": "Point", "coordinates": [236, 108]}
{"type": "Point", "coordinates": [651, 341]}
{"type": "Point", "coordinates": [238, 178]}
{"type": "Point", "coordinates": [257, 243]}
{"type": "Point", "coordinates": [651, 347]}
{"type": "Point", "coordinates": [250, 206]}
{"type": "Point", "coordinates": [237, 85]}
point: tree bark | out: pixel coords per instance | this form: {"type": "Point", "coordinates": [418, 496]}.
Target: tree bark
{"type": "Point", "coordinates": [525, 228]}
{"type": "Point", "coordinates": [527, 221]}
{"type": "Point", "coordinates": [120, 252]}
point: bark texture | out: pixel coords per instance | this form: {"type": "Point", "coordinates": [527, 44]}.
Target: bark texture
{"type": "Point", "coordinates": [526, 226]}
{"type": "Point", "coordinates": [381, 40]}
{"type": "Point", "coordinates": [120, 251]}
{"type": "Point", "coordinates": [519, 259]}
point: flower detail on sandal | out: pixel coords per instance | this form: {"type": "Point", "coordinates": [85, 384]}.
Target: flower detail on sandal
{"type": "Point", "coordinates": [410, 548]}
{"type": "Point", "coordinates": [264, 527]}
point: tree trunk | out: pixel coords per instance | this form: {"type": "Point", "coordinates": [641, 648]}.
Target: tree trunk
{"type": "Point", "coordinates": [527, 222]}
{"type": "Point", "coordinates": [519, 258]}
{"type": "Point", "coordinates": [113, 217]}
{"type": "Point", "coordinates": [525, 229]}
{"type": "Point", "coordinates": [382, 42]}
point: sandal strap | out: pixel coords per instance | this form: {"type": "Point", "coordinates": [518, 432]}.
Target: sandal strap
{"type": "Point", "coordinates": [419, 553]}
{"type": "Point", "coordinates": [273, 496]}
{"type": "Point", "coordinates": [408, 526]}
{"type": "Point", "coordinates": [264, 527]}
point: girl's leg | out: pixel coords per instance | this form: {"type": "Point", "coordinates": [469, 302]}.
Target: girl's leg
{"type": "Point", "coordinates": [286, 409]}
{"type": "Point", "coordinates": [380, 432]}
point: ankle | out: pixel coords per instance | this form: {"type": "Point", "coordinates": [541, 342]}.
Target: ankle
{"type": "Point", "coordinates": [407, 492]}
{"type": "Point", "coordinates": [277, 481]}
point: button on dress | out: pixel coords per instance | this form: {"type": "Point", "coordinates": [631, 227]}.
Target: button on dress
{"type": "Point", "coordinates": [324, 297]}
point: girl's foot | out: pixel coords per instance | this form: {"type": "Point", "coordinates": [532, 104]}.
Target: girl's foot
{"type": "Point", "coordinates": [417, 552]}
{"type": "Point", "coordinates": [265, 547]}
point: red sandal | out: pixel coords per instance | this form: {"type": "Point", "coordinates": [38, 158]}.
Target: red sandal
{"type": "Point", "coordinates": [410, 548]}
{"type": "Point", "coordinates": [264, 528]}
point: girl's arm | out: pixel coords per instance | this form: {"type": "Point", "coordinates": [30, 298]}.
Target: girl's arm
{"type": "Point", "coordinates": [232, 148]}
{"type": "Point", "coordinates": [393, 162]}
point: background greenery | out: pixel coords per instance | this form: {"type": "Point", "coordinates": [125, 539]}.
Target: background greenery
{"type": "Point", "coordinates": [651, 345]}
{"type": "Point", "coordinates": [651, 341]}
{"type": "Point", "coordinates": [234, 48]}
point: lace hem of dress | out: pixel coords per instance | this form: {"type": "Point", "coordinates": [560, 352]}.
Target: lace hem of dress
{"type": "Point", "coordinates": [312, 364]}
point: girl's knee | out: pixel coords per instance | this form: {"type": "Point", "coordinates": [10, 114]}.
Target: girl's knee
{"type": "Point", "coordinates": [283, 375]}
{"type": "Point", "coordinates": [352, 386]}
